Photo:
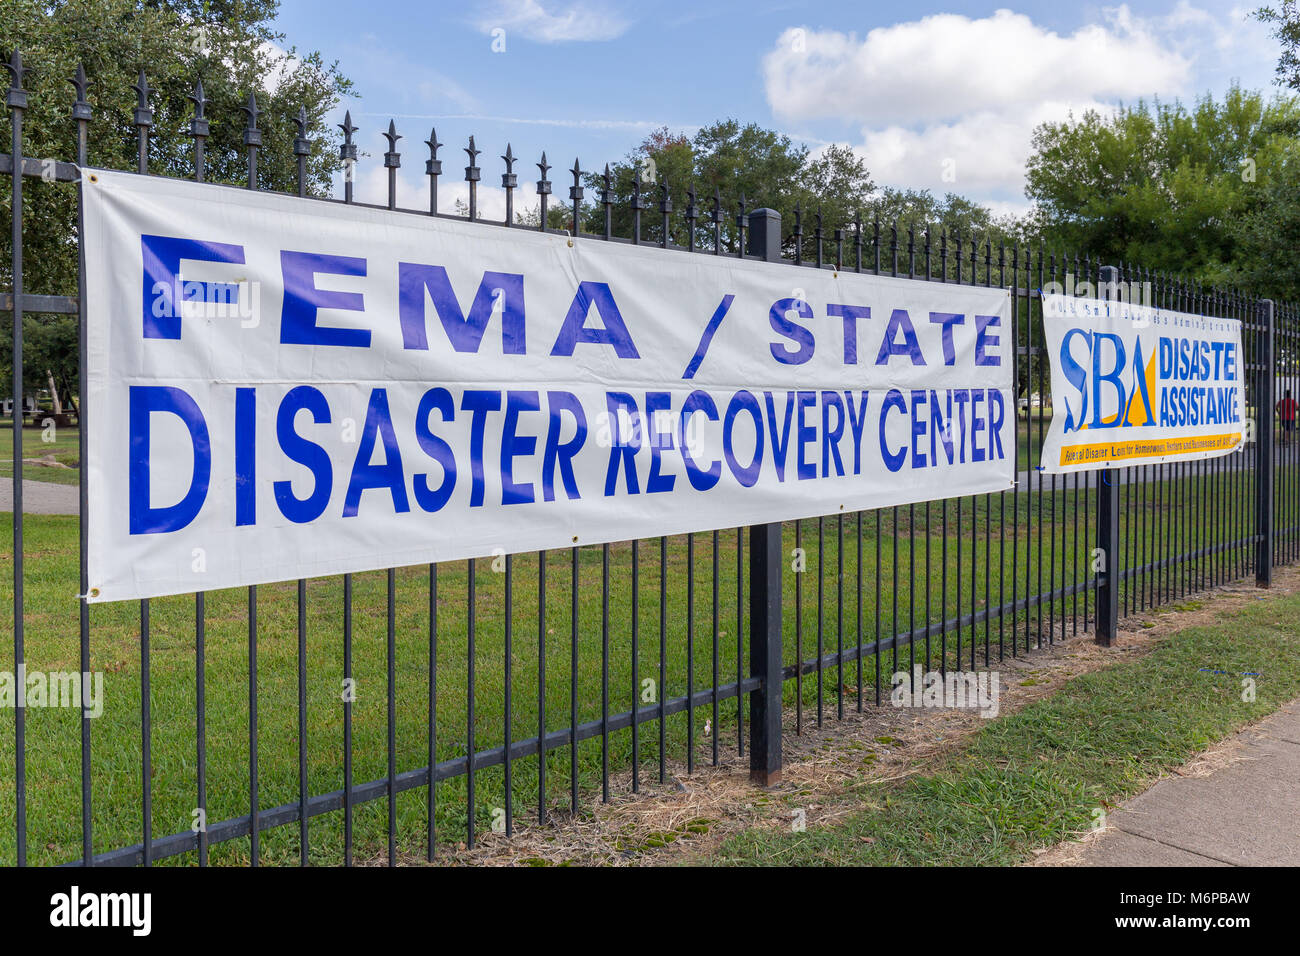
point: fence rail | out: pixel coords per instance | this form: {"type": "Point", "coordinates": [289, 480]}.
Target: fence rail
{"type": "Point", "coordinates": [487, 692]}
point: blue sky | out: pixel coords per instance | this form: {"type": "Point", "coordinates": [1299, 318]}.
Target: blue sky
{"type": "Point", "coordinates": [939, 96]}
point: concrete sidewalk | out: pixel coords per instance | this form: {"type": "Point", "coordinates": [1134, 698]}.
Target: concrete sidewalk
{"type": "Point", "coordinates": [1239, 805]}
{"type": "Point", "coordinates": [41, 497]}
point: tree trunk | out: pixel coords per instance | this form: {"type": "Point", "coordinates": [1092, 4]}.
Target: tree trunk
{"type": "Point", "coordinates": [54, 391]}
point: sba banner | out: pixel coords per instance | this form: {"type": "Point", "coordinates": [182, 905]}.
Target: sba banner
{"type": "Point", "coordinates": [1136, 385]}
{"type": "Point", "coordinates": [281, 388]}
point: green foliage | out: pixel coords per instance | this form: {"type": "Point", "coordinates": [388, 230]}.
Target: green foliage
{"type": "Point", "coordinates": [1285, 20]}
{"type": "Point", "coordinates": [953, 216]}
{"type": "Point", "coordinates": [229, 44]}
{"type": "Point", "coordinates": [1269, 235]}
{"type": "Point", "coordinates": [729, 161]}
{"type": "Point", "coordinates": [1164, 185]}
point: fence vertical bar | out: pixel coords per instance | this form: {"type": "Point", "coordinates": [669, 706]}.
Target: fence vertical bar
{"type": "Point", "coordinates": [252, 143]}
{"type": "Point", "coordinates": [1264, 447]}
{"type": "Point", "coordinates": [431, 798]}
{"type": "Point", "coordinates": [433, 169]}
{"type": "Point", "coordinates": [765, 653]}
{"type": "Point", "coordinates": [301, 150]}
{"type": "Point", "coordinates": [765, 586]}
{"type": "Point", "coordinates": [146, 740]}
{"type": "Point", "coordinates": [508, 661]}
{"type": "Point", "coordinates": [541, 687]}
{"type": "Point", "coordinates": [16, 100]}
{"type": "Point", "coordinates": [471, 601]}
{"type": "Point", "coordinates": [740, 637]}
{"type": "Point", "coordinates": [509, 181]}
{"type": "Point", "coordinates": [82, 114]}
{"type": "Point", "coordinates": [391, 655]}
{"type": "Point", "coordinates": [348, 697]}
{"type": "Point", "coordinates": [1108, 523]}
{"type": "Point", "coordinates": [472, 176]}
{"type": "Point", "coordinates": [200, 733]}
{"type": "Point", "coordinates": [636, 666]}
{"type": "Point", "coordinates": [254, 817]}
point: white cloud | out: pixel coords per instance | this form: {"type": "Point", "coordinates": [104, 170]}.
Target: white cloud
{"type": "Point", "coordinates": [982, 153]}
{"type": "Point", "coordinates": [1242, 36]}
{"type": "Point", "coordinates": [948, 65]}
{"type": "Point", "coordinates": [531, 19]}
{"type": "Point", "coordinates": [970, 91]}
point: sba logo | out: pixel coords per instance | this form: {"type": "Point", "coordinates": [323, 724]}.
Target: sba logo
{"type": "Point", "coordinates": [1097, 365]}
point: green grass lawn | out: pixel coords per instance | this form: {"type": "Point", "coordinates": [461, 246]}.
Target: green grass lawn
{"type": "Point", "coordinates": [1033, 778]}
{"type": "Point", "coordinates": [50, 454]}
{"type": "Point", "coordinates": [922, 573]}
{"type": "Point", "coordinates": [918, 570]}
{"type": "Point", "coordinates": [52, 644]}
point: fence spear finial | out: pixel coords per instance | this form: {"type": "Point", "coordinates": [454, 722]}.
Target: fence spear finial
{"type": "Point", "coordinates": [575, 195]}
{"type": "Point", "coordinates": [576, 191]}
{"type": "Point", "coordinates": [252, 135]}
{"type": "Point", "coordinates": [81, 108]}
{"type": "Point", "coordinates": [433, 168]}
{"type": "Point", "coordinates": [433, 165]}
{"type": "Point", "coordinates": [141, 87]}
{"type": "Point", "coordinates": [200, 101]}
{"type": "Point", "coordinates": [301, 149]}
{"type": "Point", "coordinates": [143, 115]}
{"type": "Point", "coordinates": [16, 72]}
{"type": "Point", "coordinates": [348, 149]}
{"type": "Point", "coordinates": [392, 158]}
{"type": "Point", "coordinates": [544, 184]}
{"type": "Point", "coordinates": [509, 182]}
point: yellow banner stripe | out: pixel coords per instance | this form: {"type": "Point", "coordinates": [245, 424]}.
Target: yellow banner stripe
{"type": "Point", "coordinates": [1141, 448]}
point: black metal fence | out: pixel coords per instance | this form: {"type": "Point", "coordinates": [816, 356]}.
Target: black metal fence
{"type": "Point", "coordinates": [369, 718]}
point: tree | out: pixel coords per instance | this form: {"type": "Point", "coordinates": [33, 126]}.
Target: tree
{"type": "Point", "coordinates": [726, 161]}
{"type": "Point", "coordinates": [1285, 20]}
{"type": "Point", "coordinates": [229, 44]}
{"type": "Point", "coordinates": [1160, 184]}
{"type": "Point", "coordinates": [914, 211]}
{"type": "Point", "coordinates": [1268, 236]}
{"type": "Point", "coordinates": [729, 161]}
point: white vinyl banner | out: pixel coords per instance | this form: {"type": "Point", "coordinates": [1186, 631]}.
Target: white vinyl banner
{"type": "Point", "coordinates": [1137, 385]}
{"type": "Point", "coordinates": [283, 388]}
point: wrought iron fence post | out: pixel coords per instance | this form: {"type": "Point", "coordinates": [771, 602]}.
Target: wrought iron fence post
{"type": "Point", "coordinates": [1108, 576]}
{"type": "Point", "coordinates": [765, 659]}
{"type": "Point", "coordinates": [16, 101]}
{"type": "Point", "coordinates": [1264, 464]}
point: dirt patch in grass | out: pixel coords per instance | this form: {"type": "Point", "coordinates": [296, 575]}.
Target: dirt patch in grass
{"type": "Point", "coordinates": [683, 819]}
